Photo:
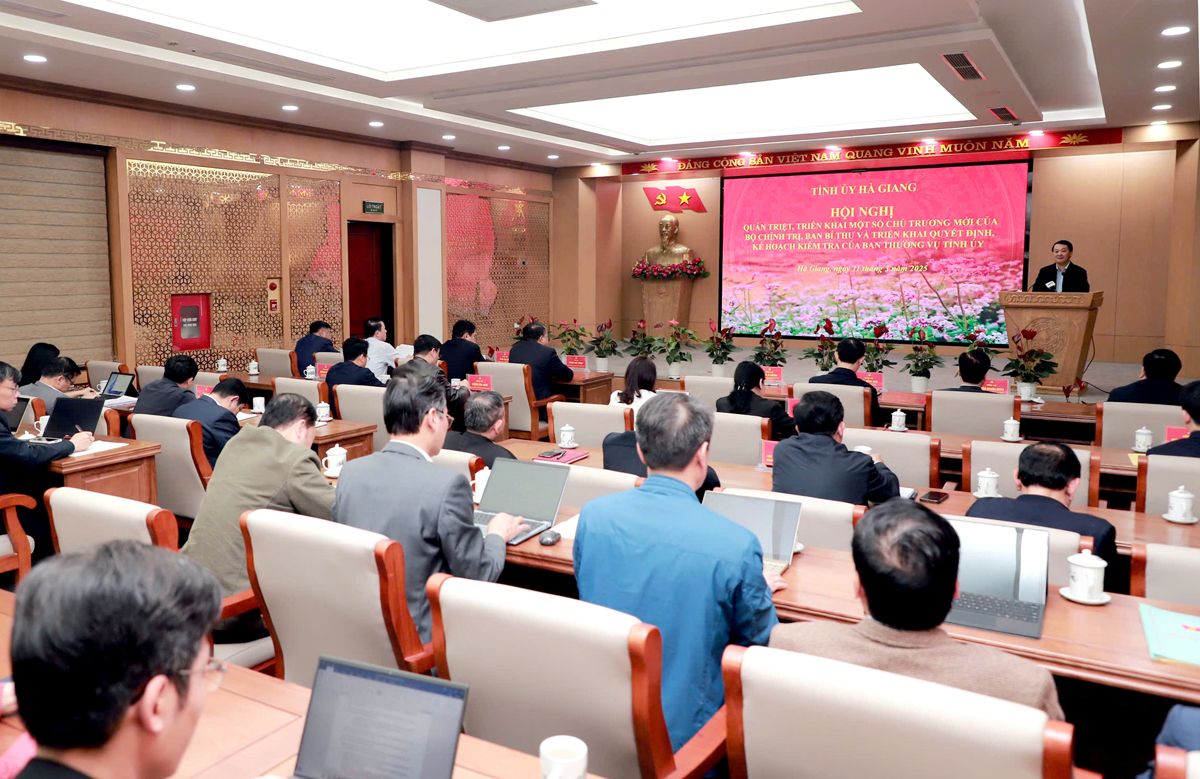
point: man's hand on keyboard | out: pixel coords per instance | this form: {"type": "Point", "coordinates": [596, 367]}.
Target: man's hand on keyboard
{"type": "Point", "coordinates": [775, 581]}
{"type": "Point", "coordinates": [507, 526]}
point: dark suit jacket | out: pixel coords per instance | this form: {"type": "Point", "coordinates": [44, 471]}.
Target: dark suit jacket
{"type": "Point", "coordinates": [846, 377]}
{"type": "Point", "coordinates": [477, 445]}
{"type": "Point", "coordinates": [41, 768]}
{"type": "Point", "coordinates": [819, 467]}
{"type": "Point", "coordinates": [1156, 391]}
{"type": "Point", "coordinates": [16, 456]}
{"type": "Point", "coordinates": [1074, 279]}
{"type": "Point", "coordinates": [460, 356]}
{"type": "Point", "coordinates": [1048, 512]}
{"type": "Point", "coordinates": [219, 424]}
{"type": "Point", "coordinates": [965, 388]}
{"type": "Point", "coordinates": [456, 397]}
{"type": "Point", "coordinates": [620, 454]}
{"type": "Point", "coordinates": [1184, 447]}
{"type": "Point", "coordinates": [348, 373]}
{"type": "Point", "coordinates": [309, 345]}
{"type": "Point", "coordinates": [782, 424]}
{"type": "Point", "coordinates": [162, 397]}
{"type": "Point", "coordinates": [544, 364]}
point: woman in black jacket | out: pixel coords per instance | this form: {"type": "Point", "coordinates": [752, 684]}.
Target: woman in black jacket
{"type": "Point", "coordinates": [747, 398]}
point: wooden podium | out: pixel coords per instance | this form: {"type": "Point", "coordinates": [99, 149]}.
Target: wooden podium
{"type": "Point", "coordinates": [1064, 322]}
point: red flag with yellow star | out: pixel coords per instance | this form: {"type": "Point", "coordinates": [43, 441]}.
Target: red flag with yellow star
{"type": "Point", "coordinates": [674, 199]}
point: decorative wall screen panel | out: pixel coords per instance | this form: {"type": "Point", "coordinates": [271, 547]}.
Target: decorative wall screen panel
{"type": "Point", "coordinates": [314, 225]}
{"type": "Point", "coordinates": [497, 264]}
{"type": "Point", "coordinates": [196, 229]}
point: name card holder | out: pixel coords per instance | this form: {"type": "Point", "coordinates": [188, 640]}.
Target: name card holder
{"type": "Point", "coordinates": [501, 356]}
{"type": "Point", "coordinates": [768, 453]}
{"type": "Point", "coordinates": [202, 390]}
{"type": "Point", "coordinates": [874, 379]}
{"type": "Point", "coordinates": [1174, 433]}
{"type": "Point", "coordinates": [577, 362]}
{"type": "Point", "coordinates": [774, 374]}
{"type": "Point", "coordinates": [322, 370]}
{"type": "Point", "coordinates": [999, 386]}
{"type": "Point", "coordinates": [477, 383]}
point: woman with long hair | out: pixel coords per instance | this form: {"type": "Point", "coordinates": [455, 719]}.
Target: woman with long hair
{"type": "Point", "coordinates": [747, 398]}
{"type": "Point", "coordinates": [39, 356]}
{"type": "Point", "coordinates": [640, 377]}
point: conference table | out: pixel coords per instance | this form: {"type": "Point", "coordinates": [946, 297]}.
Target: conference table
{"type": "Point", "coordinates": [127, 472]}
{"type": "Point", "coordinates": [357, 438]}
{"type": "Point", "coordinates": [586, 387]}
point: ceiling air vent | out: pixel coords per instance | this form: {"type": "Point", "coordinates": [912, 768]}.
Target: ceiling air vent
{"type": "Point", "coordinates": [963, 66]}
{"type": "Point", "coordinates": [1005, 115]}
{"type": "Point", "coordinates": [266, 67]}
{"type": "Point", "coordinates": [21, 8]}
{"type": "Point", "coordinates": [499, 10]}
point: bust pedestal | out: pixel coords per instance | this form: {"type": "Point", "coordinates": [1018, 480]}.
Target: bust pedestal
{"type": "Point", "coordinates": [664, 300]}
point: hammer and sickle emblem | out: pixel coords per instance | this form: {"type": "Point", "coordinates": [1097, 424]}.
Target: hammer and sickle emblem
{"type": "Point", "coordinates": [661, 200]}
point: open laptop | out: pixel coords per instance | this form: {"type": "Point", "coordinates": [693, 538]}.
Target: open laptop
{"type": "Point", "coordinates": [366, 722]}
{"type": "Point", "coordinates": [776, 523]}
{"type": "Point", "coordinates": [72, 415]}
{"type": "Point", "coordinates": [119, 385]}
{"type": "Point", "coordinates": [524, 489]}
{"type": "Point", "coordinates": [18, 412]}
{"type": "Point", "coordinates": [1002, 573]}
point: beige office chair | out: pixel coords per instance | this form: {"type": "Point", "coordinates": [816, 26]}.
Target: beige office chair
{"type": "Point", "coordinates": [1164, 572]}
{"type": "Point", "coordinates": [737, 439]}
{"type": "Point", "coordinates": [1159, 475]}
{"type": "Point", "coordinates": [1175, 763]}
{"type": "Point", "coordinates": [100, 370]}
{"type": "Point", "coordinates": [207, 379]}
{"type": "Point", "coordinates": [856, 401]}
{"type": "Point", "coordinates": [587, 483]}
{"type": "Point", "coordinates": [915, 459]}
{"type": "Point", "coordinates": [330, 589]}
{"type": "Point", "coordinates": [970, 413]}
{"type": "Point", "coordinates": [484, 635]}
{"type": "Point", "coordinates": [464, 462]}
{"type": "Point", "coordinates": [327, 358]}
{"type": "Point", "coordinates": [277, 362]}
{"type": "Point", "coordinates": [1116, 423]}
{"type": "Point", "coordinates": [182, 468]}
{"type": "Point", "coordinates": [148, 373]}
{"type": "Point", "coordinates": [706, 389]}
{"type": "Point", "coordinates": [841, 721]}
{"type": "Point", "coordinates": [315, 391]}
{"type": "Point", "coordinates": [16, 548]}
{"type": "Point", "coordinates": [592, 422]}
{"type": "Point", "coordinates": [1003, 457]}
{"type": "Point", "coordinates": [1063, 544]}
{"type": "Point", "coordinates": [517, 380]}
{"type": "Point", "coordinates": [824, 524]}
{"type": "Point", "coordinates": [82, 519]}
{"type": "Point", "coordinates": [362, 404]}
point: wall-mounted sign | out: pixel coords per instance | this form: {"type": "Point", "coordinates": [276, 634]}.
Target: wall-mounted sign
{"type": "Point", "coordinates": [674, 199]}
{"type": "Point", "coordinates": [372, 207]}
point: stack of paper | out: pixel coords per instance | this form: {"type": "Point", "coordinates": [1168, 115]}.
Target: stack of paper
{"type": "Point", "coordinates": [100, 446]}
{"type": "Point", "coordinates": [567, 527]}
{"type": "Point", "coordinates": [1171, 635]}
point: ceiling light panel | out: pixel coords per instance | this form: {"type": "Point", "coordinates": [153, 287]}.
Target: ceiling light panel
{"type": "Point", "coordinates": [893, 96]}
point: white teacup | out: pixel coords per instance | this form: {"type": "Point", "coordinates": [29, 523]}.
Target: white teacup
{"type": "Point", "coordinates": [252, 367]}
{"type": "Point", "coordinates": [1087, 576]}
{"type": "Point", "coordinates": [566, 436]}
{"type": "Point", "coordinates": [899, 420]}
{"type": "Point", "coordinates": [1143, 439]}
{"type": "Point", "coordinates": [1012, 428]}
{"type": "Point", "coordinates": [863, 449]}
{"type": "Point", "coordinates": [100, 387]}
{"type": "Point", "coordinates": [989, 483]}
{"type": "Point", "coordinates": [310, 372]}
{"type": "Point", "coordinates": [1179, 504]}
{"type": "Point", "coordinates": [323, 411]}
{"type": "Point", "coordinates": [40, 425]}
{"type": "Point", "coordinates": [563, 757]}
{"type": "Point", "coordinates": [222, 364]}
{"type": "Point", "coordinates": [259, 404]}
{"type": "Point", "coordinates": [334, 459]}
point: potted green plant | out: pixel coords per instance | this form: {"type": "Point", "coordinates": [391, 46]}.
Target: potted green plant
{"type": "Point", "coordinates": [604, 345]}
{"type": "Point", "coordinates": [719, 346]}
{"type": "Point", "coordinates": [921, 361]}
{"type": "Point", "coordinates": [572, 337]}
{"type": "Point", "coordinates": [824, 354]}
{"type": "Point", "coordinates": [519, 325]}
{"type": "Point", "coordinates": [1030, 365]}
{"type": "Point", "coordinates": [976, 343]}
{"type": "Point", "coordinates": [642, 344]}
{"type": "Point", "coordinates": [676, 342]}
{"type": "Point", "coordinates": [876, 358]}
{"type": "Point", "coordinates": [770, 350]}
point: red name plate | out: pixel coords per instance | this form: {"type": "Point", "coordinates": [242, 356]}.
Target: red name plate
{"type": "Point", "coordinates": [768, 453]}
{"type": "Point", "coordinates": [501, 356]}
{"type": "Point", "coordinates": [996, 385]}
{"type": "Point", "coordinates": [792, 404]}
{"type": "Point", "coordinates": [774, 374]}
{"type": "Point", "coordinates": [322, 370]}
{"type": "Point", "coordinates": [1175, 433]}
{"type": "Point", "coordinates": [874, 379]}
{"type": "Point", "coordinates": [577, 362]}
{"type": "Point", "coordinates": [478, 383]}
{"type": "Point", "coordinates": [201, 391]}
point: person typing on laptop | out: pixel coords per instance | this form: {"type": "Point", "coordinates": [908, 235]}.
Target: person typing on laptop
{"type": "Point", "coordinates": [906, 557]}
{"type": "Point", "coordinates": [58, 377]}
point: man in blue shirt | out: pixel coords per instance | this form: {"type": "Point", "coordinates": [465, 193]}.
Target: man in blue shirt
{"type": "Point", "coordinates": [656, 553]}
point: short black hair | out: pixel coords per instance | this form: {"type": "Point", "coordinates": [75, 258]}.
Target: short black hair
{"type": "Point", "coordinates": [462, 327]}
{"type": "Point", "coordinates": [907, 561]}
{"type": "Point", "coordinates": [91, 630]}
{"type": "Point", "coordinates": [408, 399]}
{"type": "Point", "coordinates": [372, 326]}
{"type": "Point", "coordinates": [973, 366]}
{"type": "Point", "coordinates": [1189, 397]}
{"type": "Point", "coordinates": [61, 366]}
{"type": "Point", "coordinates": [284, 409]}
{"type": "Point", "coordinates": [819, 413]}
{"type": "Point", "coordinates": [233, 388]}
{"type": "Point", "coordinates": [1070, 246]}
{"type": "Point", "coordinates": [353, 348]}
{"type": "Point", "coordinates": [318, 326]}
{"type": "Point", "coordinates": [851, 349]}
{"type": "Point", "coordinates": [9, 372]}
{"type": "Point", "coordinates": [1162, 364]}
{"type": "Point", "coordinates": [180, 368]}
{"type": "Point", "coordinates": [424, 344]}
{"type": "Point", "coordinates": [533, 331]}
{"type": "Point", "coordinates": [1048, 464]}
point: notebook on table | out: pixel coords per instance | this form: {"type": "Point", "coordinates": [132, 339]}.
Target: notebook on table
{"type": "Point", "coordinates": [561, 456]}
{"type": "Point", "coordinates": [776, 524]}
{"type": "Point", "coordinates": [1002, 572]}
{"type": "Point", "coordinates": [524, 489]}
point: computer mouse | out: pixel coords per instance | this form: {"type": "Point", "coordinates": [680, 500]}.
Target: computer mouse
{"type": "Point", "coordinates": [548, 538]}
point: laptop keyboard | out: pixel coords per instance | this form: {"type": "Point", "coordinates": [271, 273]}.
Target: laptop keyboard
{"type": "Point", "coordinates": [1009, 608]}
{"type": "Point", "coordinates": [774, 566]}
{"type": "Point", "coordinates": [484, 517]}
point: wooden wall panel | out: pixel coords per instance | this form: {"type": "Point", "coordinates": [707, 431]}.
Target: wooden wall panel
{"type": "Point", "coordinates": [1140, 294]}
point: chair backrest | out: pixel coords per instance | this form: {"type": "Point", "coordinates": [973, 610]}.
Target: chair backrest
{"type": "Point", "coordinates": [208, 379]}
{"type": "Point", "coordinates": [786, 706]}
{"type": "Point", "coordinates": [517, 380]}
{"type": "Point", "coordinates": [1164, 572]}
{"type": "Point", "coordinates": [915, 459]}
{"type": "Point", "coordinates": [591, 421]}
{"type": "Point", "coordinates": [100, 370]}
{"type": "Point", "coordinates": [1003, 457]}
{"type": "Point", "coordinates": [707, 389]}
{"type": "Point", "coordinates": [327, 358]}
{"type": "Point", "coordinates": [315, 391]}
{"type": "Point", "coordinates": [463, 462]}
{"type": "Point", "coordinates": [276, 362]}
{"type": "Point", "coordinates": [1116, 423]}
{"type": "Point", "coordinates": [586, 483]}
{"type": "Point", "coordinates": [484, 635]}
{"type": "Point", "coordinates": [824, 524]}
{"type": "Point", "coordinates": [856, 401]}
{"type": "Point", "coordinates": [970, 413]}
{"type": "Point", "coordinates": [1063, 544]}
{"type": "Point", "coordinates": [363, 404]}
{"type": "Point", "coordinates": [737, 438]}
{"type": "Point", "coordinates": [82, 519]}
{"type": "Point", "coordinates": [182, 467]}
{"type": "Point", "coordinates": [1175, 763]}
{"type": "Point", "coordinates": [109, 423]}
{"type": "Point", "coordinates": [149, 373]}
{"type": "Point", "coordinates": [1162, 474]}
{"type": "Point", "coordinates": [327, 588]}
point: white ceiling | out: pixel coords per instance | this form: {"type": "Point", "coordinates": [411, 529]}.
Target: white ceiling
{"type": "Point", "coordinates": [595, 83]}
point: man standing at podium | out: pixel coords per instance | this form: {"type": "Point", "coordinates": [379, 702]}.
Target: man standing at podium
{"type": "Point", "coordinates": [1061, 275]}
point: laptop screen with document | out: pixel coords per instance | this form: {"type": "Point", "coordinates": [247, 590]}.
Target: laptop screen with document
{"type": "Point", "coordinates": [525, 489]}
{"type": "Point", "coordinates": [1004, 561]}
{"type": "Point", "coordinates": [774, 522]}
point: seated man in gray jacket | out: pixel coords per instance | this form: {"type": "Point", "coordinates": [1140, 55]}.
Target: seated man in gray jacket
{"type": "Point", "coordinates": [402, 494]}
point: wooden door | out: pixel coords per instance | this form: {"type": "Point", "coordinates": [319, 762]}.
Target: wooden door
{"type": "Point", "coordinates": [370, 265]}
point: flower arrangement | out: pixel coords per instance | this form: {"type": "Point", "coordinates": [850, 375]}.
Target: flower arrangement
{"type": "Point", "coordinates": [1030, 365]}
{"type": "Point", "coordinates": [676, 342]}
{"type": "Point", "coordinates": [519, 324]}
{"type": "Point", "coordinates": [604, 344]}
{"type": "Point", "coordinates": [1078, 384]}
{"type": "Point", "coordinates": [924, 357]}
{"type": "Point", "coordinates": [876, 358]}
{"type": "Point", "coordinates": [642, 344]}
{"type": "Point", "coordinates": [977, 343]}
{"type": "Point", "coordinates": [770, 350]}
{"type": "Point", "coordinates": [572, 336]}
{"type": "Point", "coordinates": [692, 269]}
{"type": "Point", "coordinates": [824, 354]}
{"type": "Point", "coordinates": [719, 346]}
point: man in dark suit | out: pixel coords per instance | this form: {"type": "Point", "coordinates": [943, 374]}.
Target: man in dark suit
{"type": "Point", "coordinates": [176, 387]}
{"type": "Point", "coordinates": [353, 367]}
{"type": "Point", "coordinates": [621, 454]}
{"type": "Point", "coordinates": [461, 352]}
{"type": "Point", "coordinates": [484, 419]}
{"type": "Point", "coordinates": [816, 463]}
{"type": "Point", "coordinates": [1048, 474]}
{"type": "Point", "coordinates": [973, 367]}
{"type": "Point", "coordinates": [1156, 384]}
{"type": "Point", "coordinates": [1189, 399]}
{"type": "Point", "coordinates": [426, 354]}
{"type": "Point", "coordinates": [535, 351]}
{"type": "Point", "coordinates": [1061, 275]}
{"type": "Point", "coordinates": [850, 354]}
{"type": "Point", "coordinates": [319, 339]}
{"type": "Point", "coordinates": [217, 414]}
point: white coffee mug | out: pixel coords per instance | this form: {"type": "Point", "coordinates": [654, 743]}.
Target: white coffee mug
{"type": "Point", "coordinates": [259, 404]}
{"type": "Point", "coordinates": [1180, 503]}
{"type": "Point", "coordinates": [1087, 575]}
{"type": "Point", "coordinates": [1143, 439]}
{"type": "Point", "coordinates": [40, 425]}
{"type": "Point", "coordinates": [252, 366]}
{"type": "Point", "coordinates": [310, 372]}
{"type": "Point", "coordinates": [222, 364]}
{"type": "Point", "coordinates": [566, 436]}
{"type": "Point", "coordinates": [334, 459]}
{"type": "Point", "coordinates": [1012, 428]}
{"type": "Point", "coordinates": [563, 757]}
{"type": "Point", "coordinates": [898, 420]}
{"type": "Point", "coordinates": [989, 483]}
{"type": "Point", "coordinates": [863, 449]}
{"type": "Point", "coordinates": [100, 387]}
{"type": "Point", "coordinates": [323, 411]}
